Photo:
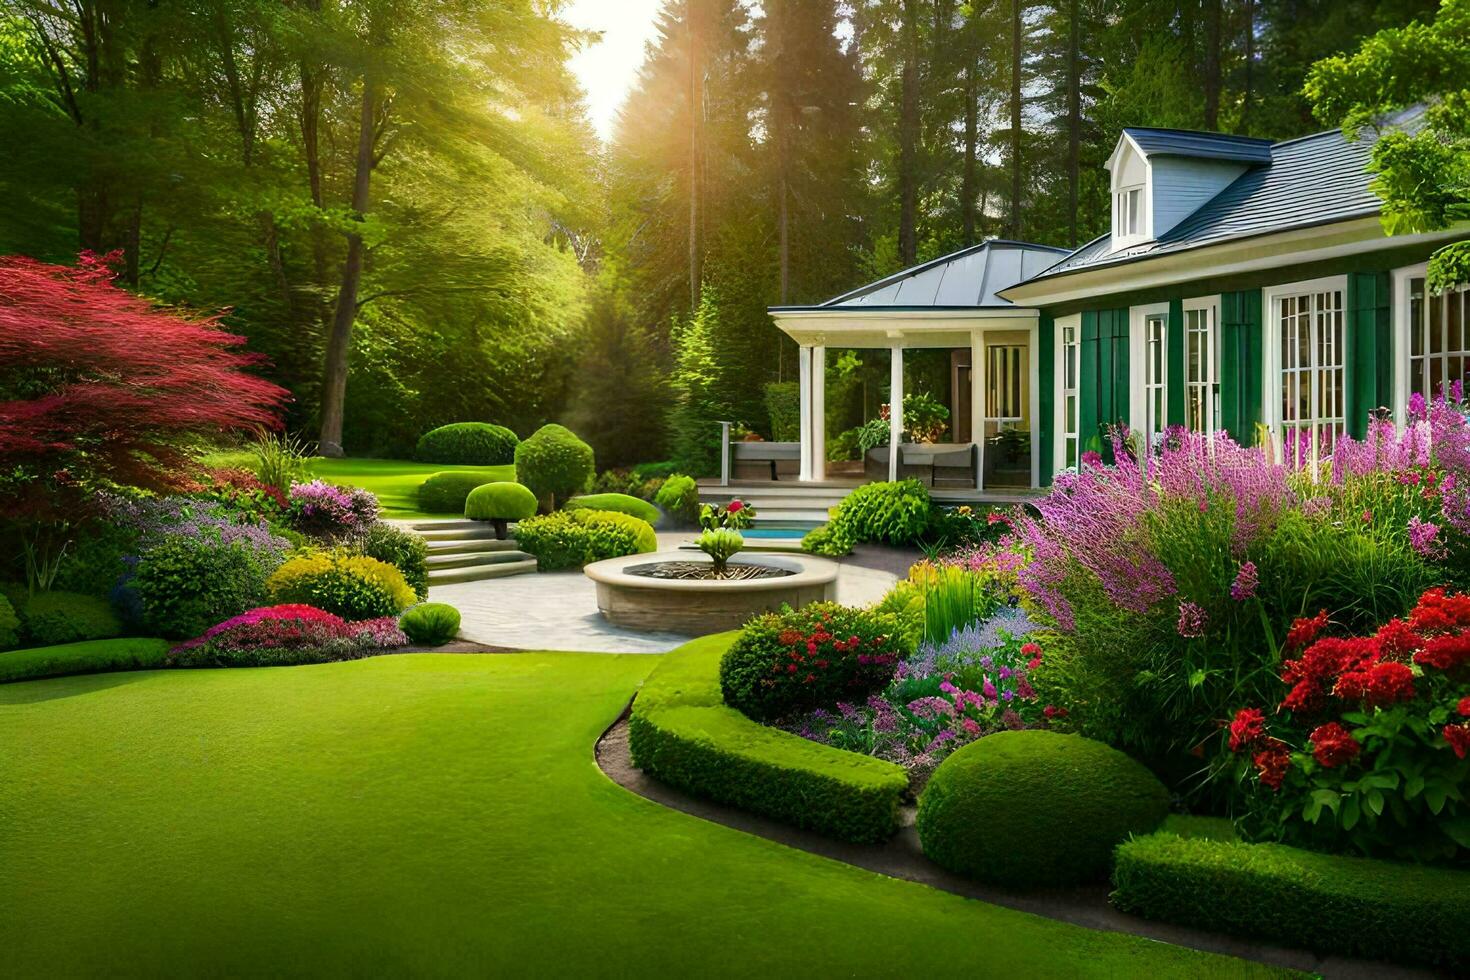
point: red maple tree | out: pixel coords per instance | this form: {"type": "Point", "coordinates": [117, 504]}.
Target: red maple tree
{"type": "Point", "coordinates": [100, 386]}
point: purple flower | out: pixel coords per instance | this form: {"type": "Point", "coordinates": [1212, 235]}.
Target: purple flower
{"type": "Point", "coordinates": [988, 690]}
{"type": "Point", "coordinates": [1192, 619]}
{"type": "Point", "coordinates": [1424, 539]}
{"type": "Point", "coordinates": [1246, 580]}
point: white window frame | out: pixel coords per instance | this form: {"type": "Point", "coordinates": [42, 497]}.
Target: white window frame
{"type": "Point", "coordinates": [1403, 323]}
{"type": "Point", "coordinates": [1271, 299]}
{"type": "Point", "coordinates": [1059, 408]}
{"type": "Point", "coordinates": [1211, 361]}
{"type": "Point", "coordinates": [1125, 233]}
{"type": "Point", "coordinates": [1140, 384]}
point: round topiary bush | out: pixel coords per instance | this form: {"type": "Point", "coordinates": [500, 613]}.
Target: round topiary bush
{"type": "Point", "coordinates": [679, 497]}
{"type": "Point", "coordinates": [344, 584]}
{"type": "Point", "coordinates": [555, 464]}
{"type": "Point", "coordinates": [445, 493]}
{"type": "Point", "coordinates": [499, 503]}
{"type": "Point", "coordinates": [430, 624]}
{"type": "Point", "coordinates": [1036, 808]}
{"type": "Point", "coordinates": [468, 444]}
{"type": "Point", "coordinates": [620, 503]}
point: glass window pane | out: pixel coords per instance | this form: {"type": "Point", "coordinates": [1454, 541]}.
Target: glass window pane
{"type": "Point", "coordinates": [1416, 317]}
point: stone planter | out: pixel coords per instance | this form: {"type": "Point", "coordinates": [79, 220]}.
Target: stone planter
{"type": "Point", "coordinates": [699, 606]}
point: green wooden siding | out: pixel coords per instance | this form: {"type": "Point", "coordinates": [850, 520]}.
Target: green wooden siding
{"type": "Point", "coordinates": [1174, 369]}
{"type": "Point", "coordinates": [1046, 374]}
{"type": "Point", "coordinates": [1369, 348]}
{"type": "Point", "coordinates": [1242, 364]}
{"type": "Point", "coordinates": [1103, 381]}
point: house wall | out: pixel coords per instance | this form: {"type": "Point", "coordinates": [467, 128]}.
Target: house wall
{"type": "Point", "coordinates": [1243, 305]}
{"type": "Point", "coordinates": [1179, 187]}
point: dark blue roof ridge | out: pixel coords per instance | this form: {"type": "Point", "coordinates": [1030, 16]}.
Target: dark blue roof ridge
{"type": "Point", "coordinates": [1208, 134]}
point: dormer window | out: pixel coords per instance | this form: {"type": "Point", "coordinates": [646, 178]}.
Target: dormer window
{"type": "Point", "coordinates": [1128, 213]}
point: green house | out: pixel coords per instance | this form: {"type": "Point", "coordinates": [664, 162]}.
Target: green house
{"type": "Point", "coordinates": [1245, 286]}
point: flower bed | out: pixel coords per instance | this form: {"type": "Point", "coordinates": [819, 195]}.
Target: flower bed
{"type": "Point", "coordinates": [286, 634]}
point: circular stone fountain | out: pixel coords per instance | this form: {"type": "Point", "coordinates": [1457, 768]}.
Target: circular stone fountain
{"type": "Point", "coordinates": [674, 591]}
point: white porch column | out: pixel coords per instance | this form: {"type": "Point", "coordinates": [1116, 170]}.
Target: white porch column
{"type": "Point", "coordinates": [818, 440]}
{"type": "Point", "coordinates": [804, 377]}
{"type": "Point", "coordinates": [895, 409]}
{"type": "Point", "coordinates": [979, 365]}
{"type": "Point", "coordinates": [1034, 365]}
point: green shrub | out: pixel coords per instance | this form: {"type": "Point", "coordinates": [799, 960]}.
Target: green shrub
{"type": "Point", "coordinates": [91, 657]}
{"type": "Point", "coordinates": [783, 405]}
{"type": "Point", "coordinates": [555, 464]}
{"type": "Point", "coordinates": [468, 444]}
{"type": "Point", "coordinates": [1036, 808]}
{"type": "Point", "coordinates": [9, 625]}
{"type": "Point", "coordinates": [500, 502]}
{"type": "Point", "coordinates": [430, 624]}
{"type": "Point", "coordinates": [571, 539]}
{"type": "Point", "coordinates": [352, 586]}
{"type": "Point", "coordinates": [905, 602]}
{"type": "Point", "coordinates": [1348, 906]}
{"type": "Point", "coordinates": [186, 585]}
{"type": "Point", "coordinates": [828, 539]}
{"type": "Point", "coordinates": [655, 471]}
{"type": "Point", "coordinates": [620, 503]}
{"type": "Point", "coordinates": [404, 550]}
{"type": "Point", "coordinates": [792, 662]}
{"type": "Point", "coordinates": [445, 493]}
{"type": "Point", "coordinates": [683, 734]}
{"type": "Point", "coordinates": [54, 618]}
{"type": "Point", "coordinates": [679, 498]}
{"type": "Point", "coordinates": [888, 513]}
{"type": "Point", "coordinates": [93, 562]}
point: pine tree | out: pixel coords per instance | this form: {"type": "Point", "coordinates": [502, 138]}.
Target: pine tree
{"type": "Point", "coordinates": [699, 391]}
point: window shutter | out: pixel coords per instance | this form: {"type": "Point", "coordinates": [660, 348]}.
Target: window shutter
{"type": "Point", "coordinates": [1046, 372]}
{"type": "Point", "coordinates": [1241, 364]}
{"type": "Point", "coordinates": [1174, 370]}
{"type": "Point", "coordinates": [1089, 384]}
{"type": "Point", "coordinates": [1369, 348]}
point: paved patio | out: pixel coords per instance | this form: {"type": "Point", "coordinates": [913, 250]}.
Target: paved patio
{"type": "Point", "coordinates": [558, 610]}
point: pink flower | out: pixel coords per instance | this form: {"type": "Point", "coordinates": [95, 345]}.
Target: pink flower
{"type": "Point", "coordinates": [1192, 620]}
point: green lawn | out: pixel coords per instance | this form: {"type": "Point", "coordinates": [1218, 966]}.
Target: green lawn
{"type": "Point", "coordinates": [434, 814]}
{"type": "Point", "coordinates": [395, 481]}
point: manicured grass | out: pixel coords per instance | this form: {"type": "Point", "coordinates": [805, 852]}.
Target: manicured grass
{"type": "Point", "coordinates": [394, 481]}
{"type": "Point", "coordinates": [434, 814]}
{"type": "Point", "coordinates": [91, 657]}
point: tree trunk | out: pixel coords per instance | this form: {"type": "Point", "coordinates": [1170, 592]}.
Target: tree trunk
{"type": "Point", "coordinates": [696, 148]}
{"type": "Point", "coordinates": [1074, 119]}
{"type": "Point", "coordinates": [1014, 229]}
{"type": "Point", "coordinates": [968, 178]}
{"type": "Point", "coordinates": [1212, 64]}
{"type": "Point", "coordinates": [1250, 65]}
{"type": "Point", "coordinates": [908, 140]}
{"type": "Point", "coordinates": [339, 341]}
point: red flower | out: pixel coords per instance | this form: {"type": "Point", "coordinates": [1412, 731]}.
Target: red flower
{"type": "Point", "coordinates": [1031, 650]}
{"type": "Point", "coordinates": [1445, 652]}
{"type": "Point", "coordinates": [1272, 762]}
{"type": "Point", "coordinates": [1463, 707]}
{"type": "Point", "coordinates": [1052, 711]}
{"type": "Point", "coordinates": [1396, 639]}
{"type": "Point", "coordinates": [1379, 684]}
{"type": "Point", "coordinates": [1438, 612]}
{"type": "Point", "coordinates": [1459, 738]}
{"type": "Point", "coordinates": [790, 637]}
{"type": "Point", "coordinates": [735, 507]}
{"type": "Point", "coordinates": [1304, 631]}
{"type": "Point", "coordinates": [1333, 745]}
{"type": "Point", "coordinates": [1033, 663]}
{"type": "Point", "coordinates": [1248, 728]}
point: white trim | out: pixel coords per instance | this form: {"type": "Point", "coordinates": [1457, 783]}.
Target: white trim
{"type": "Point", "coordinates": [1400, 332]}
{"type": "Point", "coordinates": [819, 414]}
{"type": "Point", "coordinates": [1211, 358]}
{"type": "Point", "coordinates": [1271, 298]}
{"type": "Point", "coordinates": [1138, 364]}
{"type": "Point", "coordinates": [978, 368]}
{"type": "Point", "coordinates": [895, 409]}
{"type": "Point", "coordinates": [1059, 387]}
{"type": "Point", "coordinates": [804, 382]}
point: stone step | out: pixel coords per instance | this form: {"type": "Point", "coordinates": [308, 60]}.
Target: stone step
{"type": "Point", "coordinates": [469, 546]}
{"type": "Point", "coordinates": [478, 573]}
{"type": "Point", "coordinates": [446, 524]}
{"type": "Point", "coordinates": [441, 562]}
{"type": "Point", "coordinates": [477, 531]}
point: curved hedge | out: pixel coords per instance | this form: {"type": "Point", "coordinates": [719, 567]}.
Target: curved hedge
{"type": "Point", "coordinates": [682, 733]}
{"type": "Point", "coordinates": [1036, 808]}
{"type": "Point", "coordinates": [468, 444]}
{"type": "Point", "coordinates": [620, 503]}
{"type": "Point", "coordinates": [91, 657]}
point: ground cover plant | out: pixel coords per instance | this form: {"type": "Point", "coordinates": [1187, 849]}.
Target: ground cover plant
{"type": "Point", "coordinates": [271, 782]}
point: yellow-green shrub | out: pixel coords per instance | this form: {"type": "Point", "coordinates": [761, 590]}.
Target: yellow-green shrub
{"type": "Point", "coordinates": [352, 586]}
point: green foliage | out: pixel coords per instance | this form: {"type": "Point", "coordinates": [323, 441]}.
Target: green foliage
{"type": "Point", "coordinates": [832, 539]}
{"type": "Point", "coordinates": [682, 733]}
{"type": "Point", "coordinates": [796, 661]}
{"type": "Point", "coordinates": [91, 657]}
{"type": "Point", "coordinates": [430, 624]}
{"type": "Point", "coordinates": [620, 502]}
{"type": "Point", "coordinates": [783, 405]}
{"type": "Point", "coordinates": [404, 550]}
{"type": "Point", "coordinates": [1034, 809]}
{"type": "Point", "coordinates": [93, 562]}
{"type": "Point", "coordinates": [186, 585]}
{"type": "Point", "coordinates": [446, 493]}
{"type": "Point", "coordinates": [701, 401]}
{"type": "Point", "coordinates": [1347, 906]}
{"type": "Point", "coordinates": [906, 603]}
{"type": "Point", "coordinates": [573, 538]}
{"type": "Point", "coordinates": [679, 497]}
{"type": "Point", "coordinates": [280, 459]}
{"type": "Point", "coordinates": [9, 625]}
{"type": "Point", "coordinates": [554, 464]}
{"type": "Point", "coordinates": [500, 502]}
{"type": "Point", "coordinates": [721, 544]}
{"type": "Point", "coordinates": [887, 513]}
{"type": "Point", "coordinates": [954, 597]}
{"type": "Point", "coordinates": [349, 585]}
{"type": "Point", "coordinates": [53, 618]}
{"type": "Point", "coordinates": [655, 471]}
{"type": "Point", "coordinates": [468, 444]}
{"type": "Point", "coordinates": [621, 391]}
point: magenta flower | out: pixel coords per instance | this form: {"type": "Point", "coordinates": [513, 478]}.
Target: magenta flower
{"type": "Point", "coordinates": [1192, 619]}
{"type": "Point", "coordinates": [1246, 580]}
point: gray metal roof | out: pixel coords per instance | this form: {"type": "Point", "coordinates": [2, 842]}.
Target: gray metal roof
{"type": "Point", "coordinates": [1202, 146]}
{"type": "Point", "coordinates": [1312, 180]}
{"type": "Point", "coordinates": [967, 279]}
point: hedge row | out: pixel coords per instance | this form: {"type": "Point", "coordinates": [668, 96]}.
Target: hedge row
{"type": "Point", "coordinates": [682, 733]}
{"type": "Point", "coordinates": [92, 657]}
{"type": "Point", "coordinates": [1325, 902]}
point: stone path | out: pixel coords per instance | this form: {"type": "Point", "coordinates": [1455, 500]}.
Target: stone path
{"type": "Point", "coordinates": [558, 610]}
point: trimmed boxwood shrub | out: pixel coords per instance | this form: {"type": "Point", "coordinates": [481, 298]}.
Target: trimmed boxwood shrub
{"type": "Point", "coordinates": [887, 513]}
{"type": "Point", "coordinates": [352, 586]}
{"type": "Point", "coordinates": [679, 497]}
{"type": "Point", "coordinates": [54, 618]}
{"type": "Point", "coordinates": [500, 502]}
{"type": "Point", "coordinates": [1036, 808]}
{"type": "Point", "coordinates": [185, 585]}
{"type": "Point", "coordinates": [404, 550]}
{"type": "Point", "coordinates": [446, 493]}
{"type": "Point", "coordinates": [1330, 903]}
{"type": "Point", "coordinates": [794, 662]}
{"type": "Point", "coordinates": [468, 444]}
{"type": "Point", "coordinates": [430, 624]}
{"type": "Point", "coordinates": [620, 503]}
{"type": "Point", "coordinates": [555, 464]}
{"type": "Point", "coordinates": [573, 538]}
{"type": "Point", "coordinates": [90, 657]}
{"type": "Point", "coordinates": [682, 733]}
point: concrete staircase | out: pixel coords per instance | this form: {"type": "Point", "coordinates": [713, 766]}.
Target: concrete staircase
{"type": "Point", "coordinates": [798, 506]}
{"type": "Point", "coordinates": [468, 551]}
